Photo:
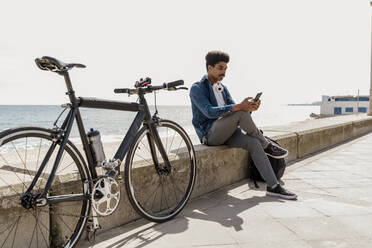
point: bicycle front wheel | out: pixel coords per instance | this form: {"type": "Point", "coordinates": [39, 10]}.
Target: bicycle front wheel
{"type": "Point", "coordinates": [159, 195]}
{"type": "Point", "coordinates": [58, 220]}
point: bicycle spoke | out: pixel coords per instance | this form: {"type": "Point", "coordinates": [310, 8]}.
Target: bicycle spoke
{"type": "Point", "coordinates": [146, 147]}
{"type": "Point", "coordinates": [175, 194]}
{"type": "Point", "coordinates": [6, 229]}
{"type": "Point", "coordinates": [64, 223]}
{"type": "Point", "coordinates": [19, 194]}
{"type": "Point", "coordinates": [37, 235]}
{"type": "Point", "coordinates": [38, 154]}
{"type": "Point", "coordinates": [13, 225]}
{"type": "Point", "coordinates": [63, 156]}
{"type": "Point", "coordinates": [15, 232]}
{"type": "Point", "coordinates": [150, 195]}
{"type": "Point", "coordinates": [33, 233]}
{"type": "Point", "coordinates": [65, 167]}
{"type": "Point", "coordinates": [165, 197]}
{"type": "Point", "coordinates": [161, 195]}
{"type": "Point", "coordinates": [178, 147]}
{"type": "Point", "coordinates": [24, 164]}
{"type": "Point", "coordinates": [144, 159]}
{"type": "Point", "coordinates": [42, 235]}
{"type": "Point", "coordinates": [170, 146]}
{"type": "Point", "coordinates": [69, 186]}
{"type": "Point", "coordinates": [41, 231]}
{"type": "Point", "coordinates": [36, 215]}
{"type": "Point", "coordinates": [14, 174]}
{"type": "Point", "coordinates": [36, 166]}
{"type": "Point", "coordinates": [61, 161]}
{"type": "Point", "coordinates": [166, 140]}
{"type": "Point", "coordinates": [176, 187]}
{"type": "Point", "coordinates": [156, 192]}
{"type": "Point", "coordinates": [16, 216]}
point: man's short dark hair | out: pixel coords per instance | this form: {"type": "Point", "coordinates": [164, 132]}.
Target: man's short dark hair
{"type": "Point", "coordinates": [214, 57]}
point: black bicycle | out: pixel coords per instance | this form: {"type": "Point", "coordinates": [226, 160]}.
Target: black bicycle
{"type": "Point", "coordinates": [49, 193]}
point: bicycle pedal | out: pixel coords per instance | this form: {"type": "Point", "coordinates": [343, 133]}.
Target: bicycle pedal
{"type": "Point", "coordinates": [111, 164]}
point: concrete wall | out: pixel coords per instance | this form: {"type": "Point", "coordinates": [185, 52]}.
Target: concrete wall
{"type": "Point", "coordinates": [221, 166]}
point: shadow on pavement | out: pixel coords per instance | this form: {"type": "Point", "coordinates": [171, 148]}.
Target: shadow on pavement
{"type": "Point", "coordinates": [222, 207]}
{"type": "Point", "coordinates": [226, 211]}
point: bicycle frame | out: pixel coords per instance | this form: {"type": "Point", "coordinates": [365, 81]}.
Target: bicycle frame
{"type": "Point", "coordinates": [62, 134]}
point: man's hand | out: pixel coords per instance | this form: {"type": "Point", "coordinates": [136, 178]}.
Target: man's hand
{"type": "Point", "coordinates": [247, 105]}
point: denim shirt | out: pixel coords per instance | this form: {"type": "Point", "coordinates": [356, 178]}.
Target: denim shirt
{"type": "Point", "coordinates": [204, 106]}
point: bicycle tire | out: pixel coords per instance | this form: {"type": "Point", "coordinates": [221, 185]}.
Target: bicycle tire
{"type": "Point", "coordinates": [54, 225]}
{"type": "Point", "coordinates": [183, 172]}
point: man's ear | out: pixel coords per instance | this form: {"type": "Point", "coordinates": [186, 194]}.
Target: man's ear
{"type": "Point", "coordinates": [209, 68]}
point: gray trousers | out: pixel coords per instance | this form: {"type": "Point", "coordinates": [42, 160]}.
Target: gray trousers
{"type": "Point", "coordinates": [226, 131]}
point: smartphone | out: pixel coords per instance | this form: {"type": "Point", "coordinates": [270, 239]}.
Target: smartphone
{"type": "Point", "coordinates": [257, 97]}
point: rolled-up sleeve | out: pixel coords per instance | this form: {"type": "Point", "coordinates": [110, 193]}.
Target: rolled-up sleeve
{"type": "Point", "coordinates": [201, 101]}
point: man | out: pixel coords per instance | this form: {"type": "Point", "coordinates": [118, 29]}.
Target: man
{"type": "Point", "coordinates": [218, 120]}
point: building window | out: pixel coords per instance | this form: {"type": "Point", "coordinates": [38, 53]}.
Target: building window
{"type": "Point", "coordinates": [345, 99]}
{"type": "Point", "coordinates": [362, 110]}
{"type": "Point", "coordinates": [366, 99]}
{"type": "Point", "coordinates": [349, 110]}
{"type": "Point", "coordinates": [337, 111]}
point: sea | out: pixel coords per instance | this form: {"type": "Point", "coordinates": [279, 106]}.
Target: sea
{"type": "Point", "coordinates": [113, 124]}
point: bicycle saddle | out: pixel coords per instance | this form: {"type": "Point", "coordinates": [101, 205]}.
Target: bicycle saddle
{"type": "Point", "coordinates": [52, 64]}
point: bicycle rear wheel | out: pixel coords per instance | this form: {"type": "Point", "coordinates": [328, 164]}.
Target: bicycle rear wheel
{"type": "Point", "coordinates": [22, 222]}
{"type": "Point", "coordinates": [158, 195]}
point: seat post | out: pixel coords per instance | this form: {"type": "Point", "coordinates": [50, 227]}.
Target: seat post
{"type": "Point", "coordinates": [70, 92]}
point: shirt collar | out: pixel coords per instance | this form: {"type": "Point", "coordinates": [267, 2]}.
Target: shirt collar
{"type": "Point", "coordinates": [205, 78]}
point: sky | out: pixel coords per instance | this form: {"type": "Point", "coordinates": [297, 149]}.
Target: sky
{"type": "Point", "coordinates": [294, 51]}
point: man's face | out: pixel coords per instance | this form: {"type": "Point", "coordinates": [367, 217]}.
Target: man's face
{"type": "Point", "coordinates": [218, 71]}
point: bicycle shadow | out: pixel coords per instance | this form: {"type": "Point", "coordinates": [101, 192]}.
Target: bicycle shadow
{"type": "Point", "coordinates": [142, 233]}
{"type": "Point", "coordinates": [222, 207]}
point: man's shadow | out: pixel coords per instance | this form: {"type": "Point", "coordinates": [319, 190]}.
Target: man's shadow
{"type": "Point", "coordinates": [226, 211]}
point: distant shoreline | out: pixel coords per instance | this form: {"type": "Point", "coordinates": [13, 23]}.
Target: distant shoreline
{"type": "Point", "coordinates": [303, 104]}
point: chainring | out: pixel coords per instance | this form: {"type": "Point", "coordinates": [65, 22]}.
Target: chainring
{"type": "Point", "coordinates": [105, 196]}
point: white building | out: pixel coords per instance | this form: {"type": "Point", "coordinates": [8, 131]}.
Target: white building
{"type": "Point", "coordinates": [343, 105]}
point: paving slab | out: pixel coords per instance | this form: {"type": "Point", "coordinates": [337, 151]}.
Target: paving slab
{"type": "Point", "coordinates": [334, 209]}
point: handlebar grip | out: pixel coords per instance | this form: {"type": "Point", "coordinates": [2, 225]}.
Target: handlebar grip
{"type": "Point", "coordinates": [175, 83]}
{"type": "Point", "coordinates": [121, 90]}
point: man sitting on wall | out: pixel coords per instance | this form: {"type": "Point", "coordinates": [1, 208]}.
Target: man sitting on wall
{"type": "Point", "coordinates": [219, 121]}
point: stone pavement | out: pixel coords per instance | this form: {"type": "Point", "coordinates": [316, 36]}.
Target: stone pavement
{"type": "Point", "coordinates": [334, 209]}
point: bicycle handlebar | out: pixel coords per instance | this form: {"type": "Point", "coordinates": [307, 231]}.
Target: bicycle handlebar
{"type": "Point", "coordinates": [175, 83]}
{"type": "Point", "coordinates": [150, 88]}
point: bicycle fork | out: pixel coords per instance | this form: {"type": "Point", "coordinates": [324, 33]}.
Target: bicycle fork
{"type": "Point", "coordinates": [155, 142]}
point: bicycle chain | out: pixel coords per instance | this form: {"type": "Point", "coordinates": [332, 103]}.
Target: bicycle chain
{"type": "Point", "coordinates": [69, 214]}
{"type": "Point", "coordinates": [92, 181]}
